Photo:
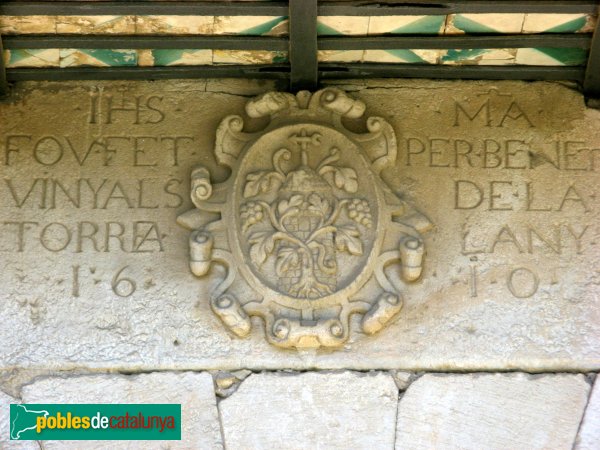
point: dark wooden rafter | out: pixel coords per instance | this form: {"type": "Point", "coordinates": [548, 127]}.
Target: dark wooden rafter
{"type": "Point", "coordinates": [327, 71]}
{"type": "Point", "coordinates": [142, 8]}
{"type": "Point", "coordinates": [303, 45]}
{"type": "Point", "coordinates": [3, 81]}
{"type": "Point", "coordinates": [28, 41]}
{"type": "Point", "coordinates": [558, 40]}
{"type": "Point", "coordinates": [266, 71]}
{"type": "Point", "coordinates": [571, 40]}
{"type": "Point", "coordinates": [325, 8]}
{"type": "Point", "coordinates": [375, 70]}
{"type": "Point", "coordinates": [591, 83]}
{"type": "Point", "coordinates": [441, 7]}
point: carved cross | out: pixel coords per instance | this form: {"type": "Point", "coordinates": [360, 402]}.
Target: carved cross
{"type": "Point", "coordinates": [304, 140]}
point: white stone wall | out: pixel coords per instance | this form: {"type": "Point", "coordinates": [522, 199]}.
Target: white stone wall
{"type": "Point", "coordinates": [341, 409]}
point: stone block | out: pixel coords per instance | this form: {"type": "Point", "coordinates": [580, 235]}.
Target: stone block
{"type": "Point", "coordinates": [194, 391]}
{"type": "Point", "coordinates": [491, 411]}
{"type": "Point", "coordinates": [311, 410]}
{"type": "Point", "coordinates": [588, 437]}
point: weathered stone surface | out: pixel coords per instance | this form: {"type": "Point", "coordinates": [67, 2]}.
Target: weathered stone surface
{"type": "Point", "coordinates": [403, 379]}
{"type": "Point", "coordinates": [491, 411]}
{"type": "Point", "coordinates": [5, 442]}
{"type": "Point", "coordinates": [94, 267]}
{"type": "Point", "coordinates": [226, 383]}
{"type": "Point", "coordinates": [311, 410]}
{"type": "Point", "coordinates": [194, 391]}
{"type": "Point", "coordinates": [588, 437]}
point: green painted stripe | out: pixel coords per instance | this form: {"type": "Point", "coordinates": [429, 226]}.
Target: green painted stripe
{"type": "Point", "coordinates": [113, 57]}
{"type": "Point", "coordinates": [470, 26]}
{"type": "Point", "coordinates": [462, 55]}
{"type": "Point", "coordinates": [567, 56]}
{"type": "Point", "coordinates": [568, 27]}
{"type": "Point", "coordinates": [263, 27]}
{"type": "Point", "coordinates": [326, 30]}
{"type": "Point", "coordinates": [280, 57]}
{"type": "Point", "coordinates": [407, 56]}
{"type": "Point", "coordinates": [164, 57]}
{"type": "Point", "coordinates": [425, 25]}
{"type": "Point", "coordinates": [20, 55]}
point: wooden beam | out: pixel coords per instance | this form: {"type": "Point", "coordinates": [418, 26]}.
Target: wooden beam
{"type": "Point", "coordinates": [591, 83]}
{"type": "Point", "coordinates": [510, 72]}
{"type": "Point", "coordinates": [140, 8]}
{"type": "Point", "coordinates": [3, 82]}
{"type": "Point", "coordinates": [303, 45]}
{"type": "Point", "coordinates": [441, 7]}
{"type": "Point", "coordinates": [570, 40]}
{"type": "Point", "coordinates": [27, 41]}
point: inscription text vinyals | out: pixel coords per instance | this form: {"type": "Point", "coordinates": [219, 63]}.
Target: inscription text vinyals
{"type": "Point", "coordinates": [305, 225]}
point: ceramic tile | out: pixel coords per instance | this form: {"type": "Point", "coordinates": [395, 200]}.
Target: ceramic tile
{"type": "Point", "coordinates": [407, 24]}
{"type": "Point", "coordinates": [251, 25]}
{"type": "Point", "coordinates": [175, 24]}
{"type": "Point", "coordinates": [95, 24]}
{"type": "Point", "coordinates": [145, 57]}
{"type": "Point", "coordinates": [32, 58]}
{"type": "Point", "coordinates": [27, 24]}
{"type": "Point", "coordinates": [402, 56]}
{"type": "Point", "coordinates": [341, 25]}
{"type": "Point", "coordinates": [175, 57]}
{"type": "Point", "coordinates": [340, 56]}
{"type": "Point", "coordinates": [494, 56]}
{"type": "Point", "coordinates": [248, 57]}
{"type": "Point", "coordinates": [484, 23]}
{"type": "Point", "coordinates": [552, 56]}
{"type": "Point", "coordinates": [498, 57]}
{"type": "Point", "coordinates": [559, 23]}
{"type": "Point", "coordinates": [97, 57]}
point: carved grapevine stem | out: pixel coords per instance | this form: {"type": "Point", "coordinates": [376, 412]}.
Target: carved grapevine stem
{"type": "Point", "coordinates": [301, 254]}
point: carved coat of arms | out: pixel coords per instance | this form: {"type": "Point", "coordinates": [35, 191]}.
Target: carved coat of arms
{"type": "Point", "coordinates": [305, 227]}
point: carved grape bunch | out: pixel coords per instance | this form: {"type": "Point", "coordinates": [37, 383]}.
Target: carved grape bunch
{"type": "Point", "coordinates": [360, 212]}
{"type": "Point", "coordinates": [251, 213]}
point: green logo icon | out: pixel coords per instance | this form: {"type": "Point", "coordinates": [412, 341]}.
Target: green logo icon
{"type": "Point", "coordinates": [95, 422]}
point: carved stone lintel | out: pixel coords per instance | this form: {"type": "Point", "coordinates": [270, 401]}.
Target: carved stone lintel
{"type": "Point", "coordinates": [305, 226]}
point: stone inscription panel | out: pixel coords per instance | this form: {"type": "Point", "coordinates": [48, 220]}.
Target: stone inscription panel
{"type": "Point", "coordinates": [94, 268]}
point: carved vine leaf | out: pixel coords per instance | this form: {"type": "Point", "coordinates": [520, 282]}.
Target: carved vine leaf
{"type": "Point", "coordinates": [341, 177]}
{"type": "Point", "coordinates": [290, 206]}
{"type": "Point", "coordinates": [347, 238]}
{"type": "Point", "coordinates": [262, 245]}
{"type": "Point", "coordinates": [261, 182]}
{"type": "Point", "coordinates": [288, 258]}
{"type": "Point", "coordinates": [319, 205]}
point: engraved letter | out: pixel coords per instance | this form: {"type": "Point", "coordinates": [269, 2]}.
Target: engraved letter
{"type": "Point", "coordinates": [476, 194]}
{"type": "Point", "coordinates": [485, 108]}
{"type": "Point", "coordinates": [515, 112]}
{"type": "Point", "coordinates": [494, 195]}
{"type": "Point", "coordinates": [9, 146]}
{"type": "Point", "coordinates": [573, 196]}
{"type": "Point", "coordinates": [535, 282]}
{"type": "Point", "coordinates": [410, 152]}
